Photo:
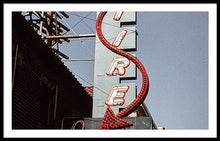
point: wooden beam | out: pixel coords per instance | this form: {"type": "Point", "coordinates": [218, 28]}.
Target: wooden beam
{"type": "Point", "coordinates": [52, 30]}
{"type": "Point", "coordinates": [78, 60]}
{"type": "Point", "coordinates": [53, 26]}
{"type": "Point", "coordinates": [58, 15]}
{"type": "Point", "coordinates": [59, 23]}
{"type": "Point", "coordinates": [64, 14]}
{"type": "Point", "coordinates": [70, 36]}
{"type": "Point", "coordinates": [60, 53]}
{"type": "Point", "coordinates": [36, 26]}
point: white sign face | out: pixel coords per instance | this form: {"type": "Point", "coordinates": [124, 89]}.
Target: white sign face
{"type": "Point", "coordinates": [119, 38]}
{"type": "Point", "coordinates": [116, 95]}
{"type": "Point", "coordinates": [119, 64]}
{"type": "Point", "coordinates": [118, 15]}
{"type": "Point", "coordinates": [111, 67]}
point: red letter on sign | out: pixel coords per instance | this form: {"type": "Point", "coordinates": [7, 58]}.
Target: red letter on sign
{"type": "Point", "coordinates": [116, 95]}
{"type": "Point", "coordinates": [119, 63]}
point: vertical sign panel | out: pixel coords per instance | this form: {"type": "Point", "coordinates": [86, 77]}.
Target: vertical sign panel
{"type": "Point", "coordinates": [119, 29]}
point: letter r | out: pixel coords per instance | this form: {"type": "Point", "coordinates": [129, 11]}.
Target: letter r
{"type": "Point", "coordinates": [119, 63]}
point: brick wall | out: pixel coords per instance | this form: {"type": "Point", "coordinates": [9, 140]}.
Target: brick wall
{"type": "Point", "coordinates": [44, 90]}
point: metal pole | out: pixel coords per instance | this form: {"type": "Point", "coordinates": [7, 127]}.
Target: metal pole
{"type": "Point", "coordinates": [69, 36]}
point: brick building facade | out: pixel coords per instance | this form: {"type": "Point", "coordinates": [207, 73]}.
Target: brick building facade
{"type": "Point", "coordinates": [44, 91]}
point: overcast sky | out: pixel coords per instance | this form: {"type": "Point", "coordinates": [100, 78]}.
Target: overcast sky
{"type": "Point", "coordinates": [173, 46]}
